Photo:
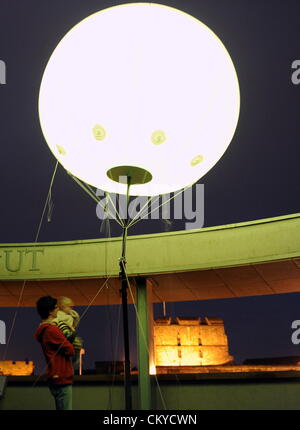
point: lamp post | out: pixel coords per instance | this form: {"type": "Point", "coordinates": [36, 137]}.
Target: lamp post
{"type": "Point", "coordinates": [139, 91]}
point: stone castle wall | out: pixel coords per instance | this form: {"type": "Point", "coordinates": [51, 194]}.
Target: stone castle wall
{"type": "Point", "coordinates": [190, 342]}
{"type": "Point", "coordinates": [16, 368]}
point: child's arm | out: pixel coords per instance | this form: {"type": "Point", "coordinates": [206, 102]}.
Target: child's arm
{"type": "Point", "coordinates": [66, 330]}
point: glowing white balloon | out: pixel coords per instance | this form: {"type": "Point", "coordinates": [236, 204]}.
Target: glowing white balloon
{"type": "Point", "coordinates": [140, 85]}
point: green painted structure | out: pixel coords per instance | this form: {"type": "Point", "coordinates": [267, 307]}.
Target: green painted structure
{"type": "Point", "coordinates": [183, 392]}
{"type": "Point", "coordinates": [230, 245]}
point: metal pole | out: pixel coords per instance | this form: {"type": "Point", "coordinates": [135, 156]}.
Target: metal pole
{"type": "Point", "coordinates": [127, 376]}
{"type": "Point", "coordinates": [143, 339]}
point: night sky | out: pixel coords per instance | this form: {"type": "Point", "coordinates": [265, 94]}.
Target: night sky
{"type": "Point", "coordinates": [258, 176]}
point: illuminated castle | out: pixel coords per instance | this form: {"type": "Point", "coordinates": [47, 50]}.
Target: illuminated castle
{"type": "Point", "coordinates": [190, 342]}
{"type": "Point", "coordinates": [16, 368]}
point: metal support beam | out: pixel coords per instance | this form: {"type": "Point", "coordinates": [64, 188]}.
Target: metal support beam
{"type": "Point", "coordinates": [144, 337]}
{"type": "Point", "coordinates": [123, 291]}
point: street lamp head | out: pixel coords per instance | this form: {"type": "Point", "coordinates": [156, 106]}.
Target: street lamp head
{"type": "Point", "coordinates": [140, 90]}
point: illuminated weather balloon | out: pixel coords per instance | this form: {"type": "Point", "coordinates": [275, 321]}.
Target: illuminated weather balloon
{"type": "Point", "coordinates": [141, 88]}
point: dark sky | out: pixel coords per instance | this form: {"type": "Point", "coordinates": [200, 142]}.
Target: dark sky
{"type": "Point", "coordinates": [257, 177]}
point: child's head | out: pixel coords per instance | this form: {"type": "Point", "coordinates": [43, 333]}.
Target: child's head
{"type": "Point", "coordinates": [65, 304]}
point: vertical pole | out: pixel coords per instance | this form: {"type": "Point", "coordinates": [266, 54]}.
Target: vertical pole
{"type": "Point", "coordinates": [143, 344]}
{"type": "Point", "coordinates": [127, 376]}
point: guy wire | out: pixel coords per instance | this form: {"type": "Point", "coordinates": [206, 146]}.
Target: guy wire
{"type": "Point", "coordinates": [24, 281]}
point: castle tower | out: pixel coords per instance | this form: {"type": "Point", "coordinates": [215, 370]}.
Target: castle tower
{"type": "Point", "coordinates": [190, 342]}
